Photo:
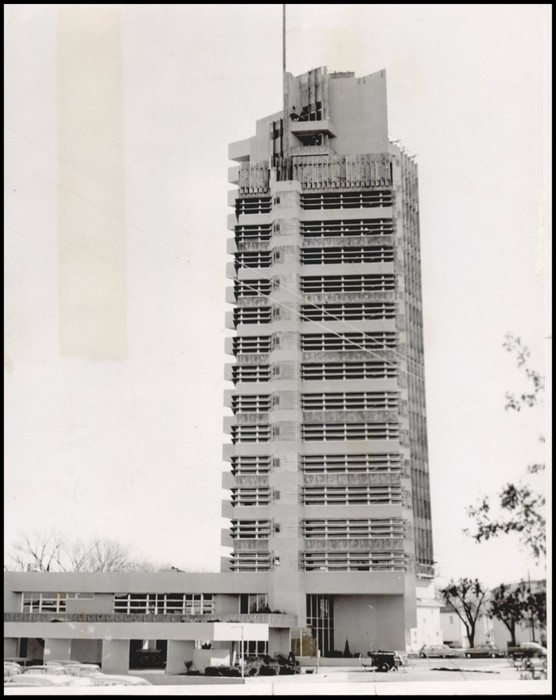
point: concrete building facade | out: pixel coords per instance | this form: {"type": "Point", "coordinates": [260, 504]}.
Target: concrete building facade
{"type": "Point", "coordinates": [330, 524]}
{"type": "Point", "coordinates": [328, 455]}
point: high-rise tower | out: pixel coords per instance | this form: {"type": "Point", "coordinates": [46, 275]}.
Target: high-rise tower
{"type": "Point", "coordinates": [328, 454]}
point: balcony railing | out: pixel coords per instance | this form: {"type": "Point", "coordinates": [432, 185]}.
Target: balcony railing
{"type": "Point", "coordinates": [382, 544]}
{"type": "Point", "coordinates": [271, 619]}
{"type": "Point", "coordinates": [371, 170]}
{"type": "Point", "coordinates": [253, 179]}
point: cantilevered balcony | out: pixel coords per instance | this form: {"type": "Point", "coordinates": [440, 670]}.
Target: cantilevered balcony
{"type": "Point", "coordinates": [303, 129]}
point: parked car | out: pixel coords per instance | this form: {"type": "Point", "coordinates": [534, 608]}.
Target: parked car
{"type": "Point", "coordinates": [43, 670]}
{"type": "Point", "coordinates": [438, 651]}
{"type": "Point", "coordinates": [82, 670]}
{"type": "Point", "coordinates": [484, 650]}
{"type": "Point", "coordinates": [107, 679]}
{"type": "Point", "coordinates": [62, 662]}
{"type": "Point", "coordinates": [527, 649]}
{"type": "Point", "coordinates": [20, 661]}
{"type": "Point", "coordinates": [38, 680]}
{"type": "Point", "coordinates": [11, 669]}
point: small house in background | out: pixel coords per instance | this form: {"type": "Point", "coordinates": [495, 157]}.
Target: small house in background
{"type": "Point", "coordinates": [429, 628]}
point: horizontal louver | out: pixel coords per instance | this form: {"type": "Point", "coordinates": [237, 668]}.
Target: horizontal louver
{"type": "Point", "coordinates": [347, 200]}
{"type": "Point", "coordinates": [349, 431]}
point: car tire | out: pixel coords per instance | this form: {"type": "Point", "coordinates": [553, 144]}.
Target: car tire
{"type": "Point", "coordinates": [423, 656]}
{"type": "Point", "coordinates": [384, 668]}
{"type": "Point", "coordinates": [493, 655]}
{"type": "Point", "coordinates": [468, 656]}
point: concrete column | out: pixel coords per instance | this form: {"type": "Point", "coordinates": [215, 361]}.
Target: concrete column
{"type": "Point", "coordinates": [178, 653]}
{"type": "Point", "coordinates": [115, 656]}
{"type": "Point", "coordinates": [57, 650]}
{"type": "Point", "coordinates": [10, 647]}
{"type": "Point", "coordinates": [278, 641]}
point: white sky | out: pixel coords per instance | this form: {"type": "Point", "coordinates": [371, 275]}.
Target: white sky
{"type": "Point", "coordinates": [132, 449]}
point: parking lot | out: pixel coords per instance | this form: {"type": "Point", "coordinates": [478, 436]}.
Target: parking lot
{"type": "Point", "coordinates": [417, 677]}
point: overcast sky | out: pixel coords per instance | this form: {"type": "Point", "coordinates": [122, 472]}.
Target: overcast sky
{"type": "Point", "coordinates": [131, 449]}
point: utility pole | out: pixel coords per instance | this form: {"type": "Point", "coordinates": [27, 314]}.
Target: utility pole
{"type": "Point", "coordinates": [531, 615]}
{"type": "Point", "coordinates": [242, 656]}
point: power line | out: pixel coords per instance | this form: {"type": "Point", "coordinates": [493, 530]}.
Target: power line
{"type": "Point", "coordinates": [339, 335]}
{"type": "Point", "coordinates": [335, 318]}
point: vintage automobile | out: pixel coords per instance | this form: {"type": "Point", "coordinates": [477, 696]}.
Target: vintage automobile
{"type": "Point", "coordinates": [484, 651]}
{"type": "Point", "coordinates": [11, 669]}
{"type": "Point", "coordinates": [438, 651]}
{"type": "Point", "coordinates": [527, 649]}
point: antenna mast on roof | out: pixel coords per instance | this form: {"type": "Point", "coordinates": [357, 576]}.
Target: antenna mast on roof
{"type": "Point", "coordinates": [284, 41]}
{"type": "Point", "coordinates": [286, 115]}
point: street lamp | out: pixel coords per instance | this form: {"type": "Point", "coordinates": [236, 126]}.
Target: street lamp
{"type": "Point", "coordinates": [371, 629]}
{"type": "Point", "coordinates": [241, 653]}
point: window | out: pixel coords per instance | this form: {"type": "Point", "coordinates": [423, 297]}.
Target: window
{"type": "Point", "coordinates": [251, 403]}
{"type": "Point", "coordinates": [251, 288]}
{"type": "Point", "coordinates": [253, 603]}
{"type": "Point", "coordinates": [354, 561]}
{"type": "Point", "coordinates": [363, 401]}
{"type": "Point", "coordinates": [250, 433]}
{"type": "Point", "coordinates": [318, 342]}
{"type": "Point", "coordinates": [367, 528]}
{"type": "Point", "coordinates": [164, 603]}
{"type": "Point", "coordinates": [320, 618]}
{"type": "Point", "coordinates": [257, 496]}
{"type": "Point", "coordinates": [252, 205]}
{"type": "Point", "coordinates": [347, 200]}
{"type": "Point", "coordinates": [341, 256]}
{"type": "Point", "coordinates": [250, 529]}
{"type": "Point", "coordinates": [81, 596]}
{"type": "Point", "coordinates": [348, 312]}
{"type": "Point", "coordinates": [388, 494]}
{"type": "Point", "coordinates": [352, 463]}
{"type": "Point", "coordinates": [361, 227]}
{"type": "Point", "coordinates": [349, 431]}
{"type": "Point", "coordinates": [253, 259]}
{"type": "Point", "coordinates": [250, 561]}
{"type": "Point", "coordinates": [258, 233]}
{"type": "Point", "coordinates": [349, 370]}
{"type": "Point", "coordinates": [44, 602]}
{"type": "Point", "coordinates": [255, 648]}
{"type": "Point", "coordinates": [250, 373]}
{"type": "Point", "coordinates": [348, 283]}
{"type": "Point", "coordinates": [251, 314]}
{"type": "Point", "coordinates": [251, 344]}
{"type": "Point", "coordinates": [251, 465]}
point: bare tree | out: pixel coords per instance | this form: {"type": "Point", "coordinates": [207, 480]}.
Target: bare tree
{"type": "Point", "coordinates": [467, 597]}
{"type": "Point", "coordinates": [108, 555]}
{"type": "Point", "coordinates": [50, 551]}
{"type": "Point", "coordinates": [78, 555]}
{"type": "Point", "coordinates": [37, 551]}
